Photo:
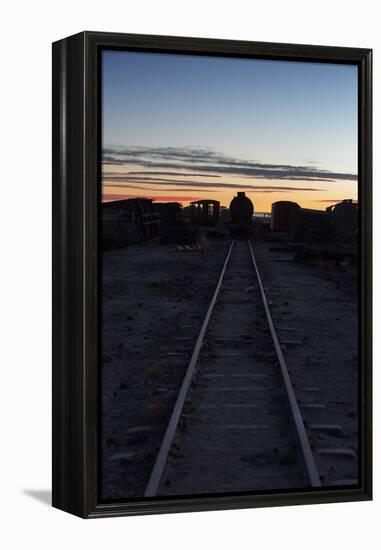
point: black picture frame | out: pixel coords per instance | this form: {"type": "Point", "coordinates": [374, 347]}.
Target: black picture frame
{"type": "Point", "coordinates": [76, 185]}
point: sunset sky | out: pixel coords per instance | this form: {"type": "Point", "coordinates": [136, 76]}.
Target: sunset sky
{"type": "Point", "coordinates": [181, 128]}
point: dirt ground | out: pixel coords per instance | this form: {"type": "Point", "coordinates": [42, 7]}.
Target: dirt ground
{"type": "Point", "coordinates": [154, 300]}
{"type": "Point", "coordinates": [314, 308]}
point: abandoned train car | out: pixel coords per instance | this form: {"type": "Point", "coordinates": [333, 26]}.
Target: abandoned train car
{"type": "Point", "coordinates": [344, 219]}
{"type": "Point", "coordinates": [300, 224]}
{"type": "Point", "coordinates": [174, 228]}
{"type": "Point", "coordinates": [170, 215]}
{"type": "Point", "coordinates": [338, 221]}
{"type": "Point", "coordinates": [128, 221]}
{"type": "Point", "coordinates": [204, 212]}
{"type": "Point", "coordinates": [310, 225]}
{"type": "Point", "coordinates": [282, 215]}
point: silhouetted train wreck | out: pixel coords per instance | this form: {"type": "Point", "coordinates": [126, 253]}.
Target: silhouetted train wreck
{"type": "Point", "coordinates": [204, 212]}
{"type": "Point", "coordinates": [338, 221]}
{"type": "Point", "coordinates": [170, 215]}
{"type": "Point", "coordinates": [128, 221]}
{"type": "Point", "coordinates": [174, 228]}
{"type": "Point", "coordinates": [344, 218]}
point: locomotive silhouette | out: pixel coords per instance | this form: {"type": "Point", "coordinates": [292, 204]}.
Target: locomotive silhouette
{"type": "Point", "coordinates": [241, 213]}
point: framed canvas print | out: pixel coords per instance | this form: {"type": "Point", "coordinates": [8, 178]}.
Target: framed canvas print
{"type": "Point", "coordinates": [211, 274]}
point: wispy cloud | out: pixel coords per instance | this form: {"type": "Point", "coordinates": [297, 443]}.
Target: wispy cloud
{"type": "Point", "coordinates": [143, 188]}
{"type": "Point", "coordinates": [182, 174]}
{"type": "Point", "coordinates": [125, 181]}
{"type": "Point", "coordinates": [172, 160]}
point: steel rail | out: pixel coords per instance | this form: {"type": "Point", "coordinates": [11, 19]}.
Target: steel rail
{"type": "Point", "coordinates": [298, 419]}
{"type": "Point", "coordinates": [162, 457]}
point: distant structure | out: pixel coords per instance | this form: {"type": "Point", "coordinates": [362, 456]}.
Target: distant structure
{"type": "Point", "coordinates": [241, 216]}
{"type": "Point", "coordinates": [224, 214]}
{"type": "Point", "coordinates": [338, 221]}
{"type": "Point", "coordinates": [128, 221]}
{"type": "Point", "coordinates": [205, 212]}
{"type": "Point", "coordinates": [282, 215]}
{"type": "Point", "coordinates": [241, 208]}
{"type": "Point", "coordinates": [344, 218]}
{"type": "Point", "coordinates": [170, 215]}
{"type": "Point", "coordinates": [310, 226]}
{"type": "Point", "coordinates": [300, 224]}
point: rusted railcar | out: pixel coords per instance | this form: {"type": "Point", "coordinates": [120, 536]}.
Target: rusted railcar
{"type": "Point", "coordinates": [344, 218]}
{"type": "Point", "coordinates": [282, 215]}
{"type": "Point", "coordinates": [128, 221]}
{"type": "Point", "coordinates": [205, 212]}
{"type": "Point", "coordinates": [170, 215]}
{"type": "Point", "coordinates": [309, 225]}
{"type": "Point", "coordinates": [300, 224]}
{"type": "Point", "coordinates": [174, 227]}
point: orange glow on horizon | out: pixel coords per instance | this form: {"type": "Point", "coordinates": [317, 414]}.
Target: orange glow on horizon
{"type": "Point", "coordinates": [262, 200]}
{"type": "Point", "coordinates": [187, 186]}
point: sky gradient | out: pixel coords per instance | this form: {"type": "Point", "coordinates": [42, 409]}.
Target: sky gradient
{"type": "Point", "coordinates": [180, 127]}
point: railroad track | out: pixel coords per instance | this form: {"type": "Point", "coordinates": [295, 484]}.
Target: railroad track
{"type": "Point", "coordinates": [236, 424]}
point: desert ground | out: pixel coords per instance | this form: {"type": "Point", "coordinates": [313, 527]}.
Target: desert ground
{"type": "Point", "coordinates": [154, 300]}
